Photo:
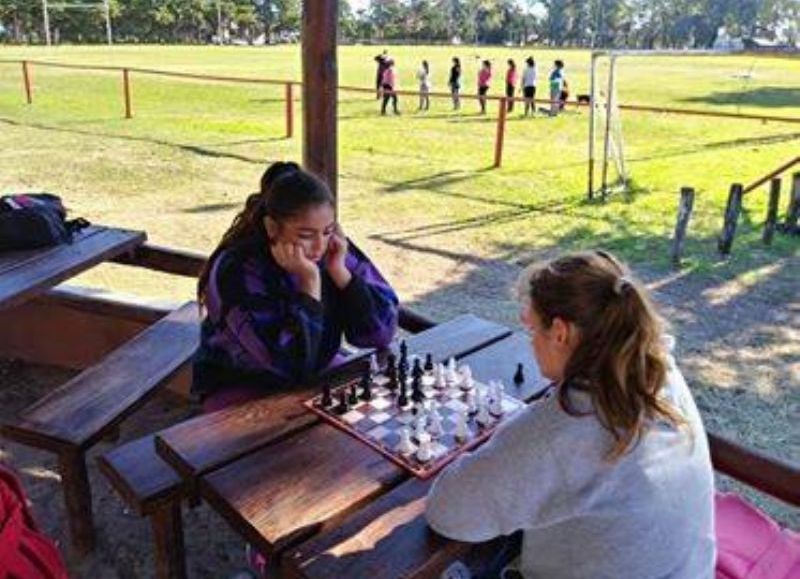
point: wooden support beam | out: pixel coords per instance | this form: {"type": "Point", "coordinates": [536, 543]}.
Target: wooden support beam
{"type": "Point", "coordinates": [732, 211]}
{"type": "Point", "coordinates": [772, 211]}
{"type": "Point", "coordinates": [320, 79]}
{"type": "Point", "coordinates": [793, 212]}
{"type": "Point", "coordinates": [684, 214]}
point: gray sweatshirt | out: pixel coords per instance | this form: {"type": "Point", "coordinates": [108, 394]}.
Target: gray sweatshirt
{"type": "Point", "coordinates": [647, 515]}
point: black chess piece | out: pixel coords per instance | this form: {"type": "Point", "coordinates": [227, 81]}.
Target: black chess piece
{"type": "Point", "coordinates": [402, 377]}
{"type": "Point", "coordinates": [416, 371]}
{"type": "Point", "coordinates": [416, 390]}
{"type": "Point", "coordinates": [402, 400]}
{"type": "Point", "coordinates": [366, 386]}
{"type": "Point", "coordinates": [327, 399]}
{"type": "Point", "coordinates": [429, 362]}
{"type": "Point", "coordinates": [403, 350]}
{"type": "Point", "coordinates": [392, 384]}
{"type": "Point", "coordinates": [519, 375]}
{"type": "Point", "coordinates": [342, 407]}
{"type": "Point", "coordinates": [352, 398]}
{"type": "Point", "coordinates": [391, 364]}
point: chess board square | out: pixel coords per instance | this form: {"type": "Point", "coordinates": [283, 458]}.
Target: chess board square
{"type": "Point", "coordinates": [379, 432]}
{"type": "Point", "coordinates": [365, 425]}
{"type": "Point", "coordinates": [381, 392]}
{"type": "Point", "coordinates": [380, 403]}
{"type": "Point", "coordinates": [380, 417]}
{"type": "Point", "coordinates": [380, 380]}
{"type": "Point", "coordinates": [438, 449]}
{"type": "Point", "coordinates": [352, 417]}
{"type": "Point", "coordinates": [405, 417]}
{"type": "Point", "coordinates": [455, 405]}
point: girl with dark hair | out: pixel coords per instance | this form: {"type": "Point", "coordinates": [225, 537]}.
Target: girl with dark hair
{"type": "Point", "coordinates": [424, 78]}
{"type": "Point", "coordinates": [484, 79]}
{"type": "Point", "coordinates": [609, 474]}
{"type": "Point", "coordinates": [455, 83]}
{"type": "Point", "coordinates": [511, 83]}
{"type": "Point", "coordinates": [389, 87]}
{"type": "Point", "coordinates": [281, 289]}
{"type": "Point", "coordinates": [529, 86]}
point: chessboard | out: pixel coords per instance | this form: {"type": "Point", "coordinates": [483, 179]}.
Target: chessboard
{"type": "Point", "coordinates": [420, 416]}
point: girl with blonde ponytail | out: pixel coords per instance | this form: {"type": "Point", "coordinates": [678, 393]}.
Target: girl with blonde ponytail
{"type": "Point", "coordinates": [609, 475]}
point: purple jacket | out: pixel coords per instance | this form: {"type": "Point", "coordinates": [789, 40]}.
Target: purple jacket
{"type": "Point", "coordinates": [260, 329]}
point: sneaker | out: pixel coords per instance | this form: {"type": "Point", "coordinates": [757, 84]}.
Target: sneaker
{"type": "Point", "coordinates": [256, 561]}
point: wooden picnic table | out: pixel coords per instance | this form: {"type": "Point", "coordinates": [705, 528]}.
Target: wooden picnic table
{"type": "Point", "coordinates": [296, 488]}
{"type": "Point", "coordinates": [28, 273]}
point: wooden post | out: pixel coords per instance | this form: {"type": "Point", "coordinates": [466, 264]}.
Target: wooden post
{"type": "Point", "coordinates": [26, 78]}
{"type": "Point", "coordinates": [289, 111]}
{"type": "Point", "coordinates": [126, 87]}
{"type": "Point", "coordinates": [732, 211]}
{"type": "Point", "coordinates": [772, 211]}
{"type": "Point", "coordinates": [320, 23]}
{"type": "Point", "coordinates": [170, 555]}
{"type": "Point", "coordinates": [78, 498]}
{"type": "Point", "coordinates": [793, 212]}
{"type": "Point", "coordinates": [686, 204]}
{"type": "Point", "coordinates": [501, 133]}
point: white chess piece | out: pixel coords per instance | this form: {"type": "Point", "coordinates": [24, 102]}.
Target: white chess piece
{"type": "Point", "coordinates": [439, 380]}
{"type": "Point", "coordinates": [420, 427]}
{"type": "Point", "coordinates": [483, 418]}
{"type": "Point", "coordinates": [424, 452]}
{"type": "Point", "coordinates": [462, 430]}
{"type": "Point", "coordinates": [496, 404]}
{"type": "Point", "coordinates": [405, 446]}
{"type": "Point", "coordinates": [472, 402]}
{"type": "Point", "coordinates": [373, 364]}
{"type": "Point", "coordinates": [452, 372]}
{"type": "Point", "coordinates": [435, 428]}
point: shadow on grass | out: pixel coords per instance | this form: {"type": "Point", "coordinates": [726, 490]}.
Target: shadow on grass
{"type": "Point", "coordinates": [767, 96]}
{"type": "Point", "coordinates": [189, 148]}
{"type": "Point", "coordinates": [212, 207]}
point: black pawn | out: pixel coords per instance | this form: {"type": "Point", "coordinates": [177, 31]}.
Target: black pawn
{"type": "Point", "coordinates": [519, 375]}
{"type": "Point", "coordinates": [416, 390]}
{"type": "Point", "coordinates": [391, 364]}
{"type": "Point", "coordinates": [352, 398]}
{"type": "Point", "coordinates": [366, 387]}
{"type": "Point", "coordinates": [402, 377]}
{"type": "Point", "coordinates": [402, 400]}
{"type": "Point", "coordinates": [429, 362]}
{"type": "Point", "coordinates": [327, 399]}
{"type": "Point", "coordinates": [392, 385]}
{"type": "Point", "coordinates": [416, 371]}
{"type": "Point", "coordinates": [342, 407]}
{"type": "Point", "coordinates": [403, 350]}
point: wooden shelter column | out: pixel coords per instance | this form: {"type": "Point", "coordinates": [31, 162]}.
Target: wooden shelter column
{"type": "Point", "coordinates": [320, 79]}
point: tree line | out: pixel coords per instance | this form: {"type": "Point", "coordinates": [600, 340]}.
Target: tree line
{"type": "Point", "coordinates": [563, 23]}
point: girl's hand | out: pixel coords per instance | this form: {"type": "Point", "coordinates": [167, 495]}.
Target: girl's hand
{"type": "Point", "coordinates": [292, 258]}
{"type": "Point", "coordinates": [335, 258]}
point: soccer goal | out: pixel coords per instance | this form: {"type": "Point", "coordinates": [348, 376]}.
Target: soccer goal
{"type": "Point", "coordinates": [71, 5]}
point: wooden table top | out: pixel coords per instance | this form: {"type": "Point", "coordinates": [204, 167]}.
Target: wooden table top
{"type": "Point", "coordinates": [281, 477]}
{"type": "Point", "coordinates": [25, 274]}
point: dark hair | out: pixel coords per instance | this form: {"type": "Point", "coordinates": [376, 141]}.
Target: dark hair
{"type": "Point", "coordinates": [511, 63]}
{"type": "Point", "coordinates": [530, 61]}
{"type": "Point", "coordinates": [559, 64]}
{"type": "Point", "coordinates": [487, 64]}
{"type": "Point", "coordinates": [425, 65]}
{"type": "Point", "coordinates": [286, 191]}
{"type": "Point", "coordinates": [620, 359]}
{"type": "Point", "coordinates": [456, 61]}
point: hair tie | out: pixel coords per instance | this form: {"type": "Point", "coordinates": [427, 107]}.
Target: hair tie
{"type": "Point", "coordinates": [620, 284]}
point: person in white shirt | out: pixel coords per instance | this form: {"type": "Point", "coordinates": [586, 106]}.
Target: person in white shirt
{"type": "Point", "coordinates": [424, 78]}
{"type": "Point", "coordinates": [609, 476]}
{"type": "Point", "coordinates": [529, 86]}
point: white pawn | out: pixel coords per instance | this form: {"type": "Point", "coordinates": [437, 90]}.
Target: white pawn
{"type": "Point", "coordinates": [405, 446]}
{"type": "Point", "coordinates": [462, 430]}
{"type": "Point", "coordinates": [373, 364]}
{"type": "Point", "coordinates": [452, 373]}
{"type": "Point", "coordinates": [467, 382]}
{"type": "Point", "coordinates": [439, 378]}
{"type": "Point", "coordinates": [496, 405]}
{"type": "Point", "coordinates": [420, 427]}
{"type": "Point", "coordinates": [435, 429]}
{"type": "Point", "coordinates": [483, 418]}
{"type": "Point", "coordinates": [424, 452]}
{"type": "Point", "coordinates": [472, 402]}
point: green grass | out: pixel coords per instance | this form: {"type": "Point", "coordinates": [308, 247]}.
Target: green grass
{"type": "Point", "coordinates": [194, 150]}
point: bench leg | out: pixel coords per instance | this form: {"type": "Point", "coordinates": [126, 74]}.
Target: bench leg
{"type": "Point", "coordinates": [168, 535]}
{"type": "Point", "coordinates": [78, 499]}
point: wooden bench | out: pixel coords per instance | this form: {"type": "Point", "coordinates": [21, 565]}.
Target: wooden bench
{"type": "Point", "coordinates": [71, 419]}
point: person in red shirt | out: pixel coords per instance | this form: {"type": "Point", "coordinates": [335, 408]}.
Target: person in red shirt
{"type": "Point", "coordinates": [511, 83]}
{"type": "Point", "coordinates": [389, 82]}
{"type": "Point", "coordinates": [484, 79]}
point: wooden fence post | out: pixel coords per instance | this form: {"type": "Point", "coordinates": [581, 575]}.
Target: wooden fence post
{"type": "Point", "coordinates": [732, 211]}
{"type": "Point", "coordinates": [501, 132]}
{"type": "Point", "coordinates": [126, 88]}
{"type": "Point", "coordinates": [289, 111]}
{"type": "Point", "coordinates": [793, 212]}
{"type": "Point", "coordinates": [686, 204]}
{"type": "Point", "coordinates": [26, 77]}
{"type": "Point", "coordinates": [772, 211]}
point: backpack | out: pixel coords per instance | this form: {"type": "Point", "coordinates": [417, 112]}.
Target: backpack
{"type": "Point", "coordinates": [34, 220]}
{"type": "Point", "coordinates": [25, 553]}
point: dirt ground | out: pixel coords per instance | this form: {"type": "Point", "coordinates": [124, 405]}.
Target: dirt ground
{"type": "Point", "coordinates": [738, 344]}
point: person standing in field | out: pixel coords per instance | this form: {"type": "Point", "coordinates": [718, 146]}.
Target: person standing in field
{"type": "Point", "coordinates": [455, 83]}
{"type": "Point", "coordinates": [484, 81]}
{"type": "Point", "coordinates": [529, 86]}
{"type": "Point", "coordinates": [424, 78]}
{"type": "Point", "coordinates": [388, 84]}
{"type": "Point", "coordinates": [511, 83]}
{"type": "Point", "coordinates": [381, 62]}
{"type": "Point", "coordinates": [556, 87]}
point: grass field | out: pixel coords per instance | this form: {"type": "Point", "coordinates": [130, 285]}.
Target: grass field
{"type": "Point", "coordinates": [419, 194]}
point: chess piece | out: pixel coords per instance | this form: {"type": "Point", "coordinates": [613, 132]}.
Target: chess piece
{"type": "Point", "coordinates": [425, 452]}
{"type": "Point", "coordinates": [391, 364]}
{"type": "Point", "coordinates": [483, 417]}
{"type": "Point", "coordinates": [402, 400]}
{"type": "Point", "coordinates": [374, 369]}
{"type": "Point", "coordinates": [435, 428]}
{"type": "Point", "coordinates": [403, 355]}
{"type": "Point", "coordinates": [392, 384]}
{"type": "Point", "coordinates": [327, 399]}
{"type": "Point", "coordinates": [416, 370]}
{"type": "Point", "coordinates": [352, 398]}
{"type": "Point", "coordinates": [496, 401]}
{"type": "Point", "coordinates": [420, 427]}
{"type": "Point", "coordinates": [462, 432]}
{"type": "Point", "coordinates": [417, 395]}
{"type": "Point", "coordinates": [342, 407]}
{"type": "Point", "coordinates": [429, 362]}
{"type": "Point", "coordinates": [439, 381]}
{"type": "Point", "coordinates": [472, 402]}
{"type": "Point", "coordinates": [519, 375]}
{"type": "Point", "coordinates": [405, 446]}
{"type": "Point", "coordinates": [366, 386]}
{"type": "Point", "coordinates": [452, 373]}
{"type": "Point", "coordinates": [467, 381]}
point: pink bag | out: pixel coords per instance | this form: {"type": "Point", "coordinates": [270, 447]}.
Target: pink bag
{"type": "Point", "coordinates": [750, 545]}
